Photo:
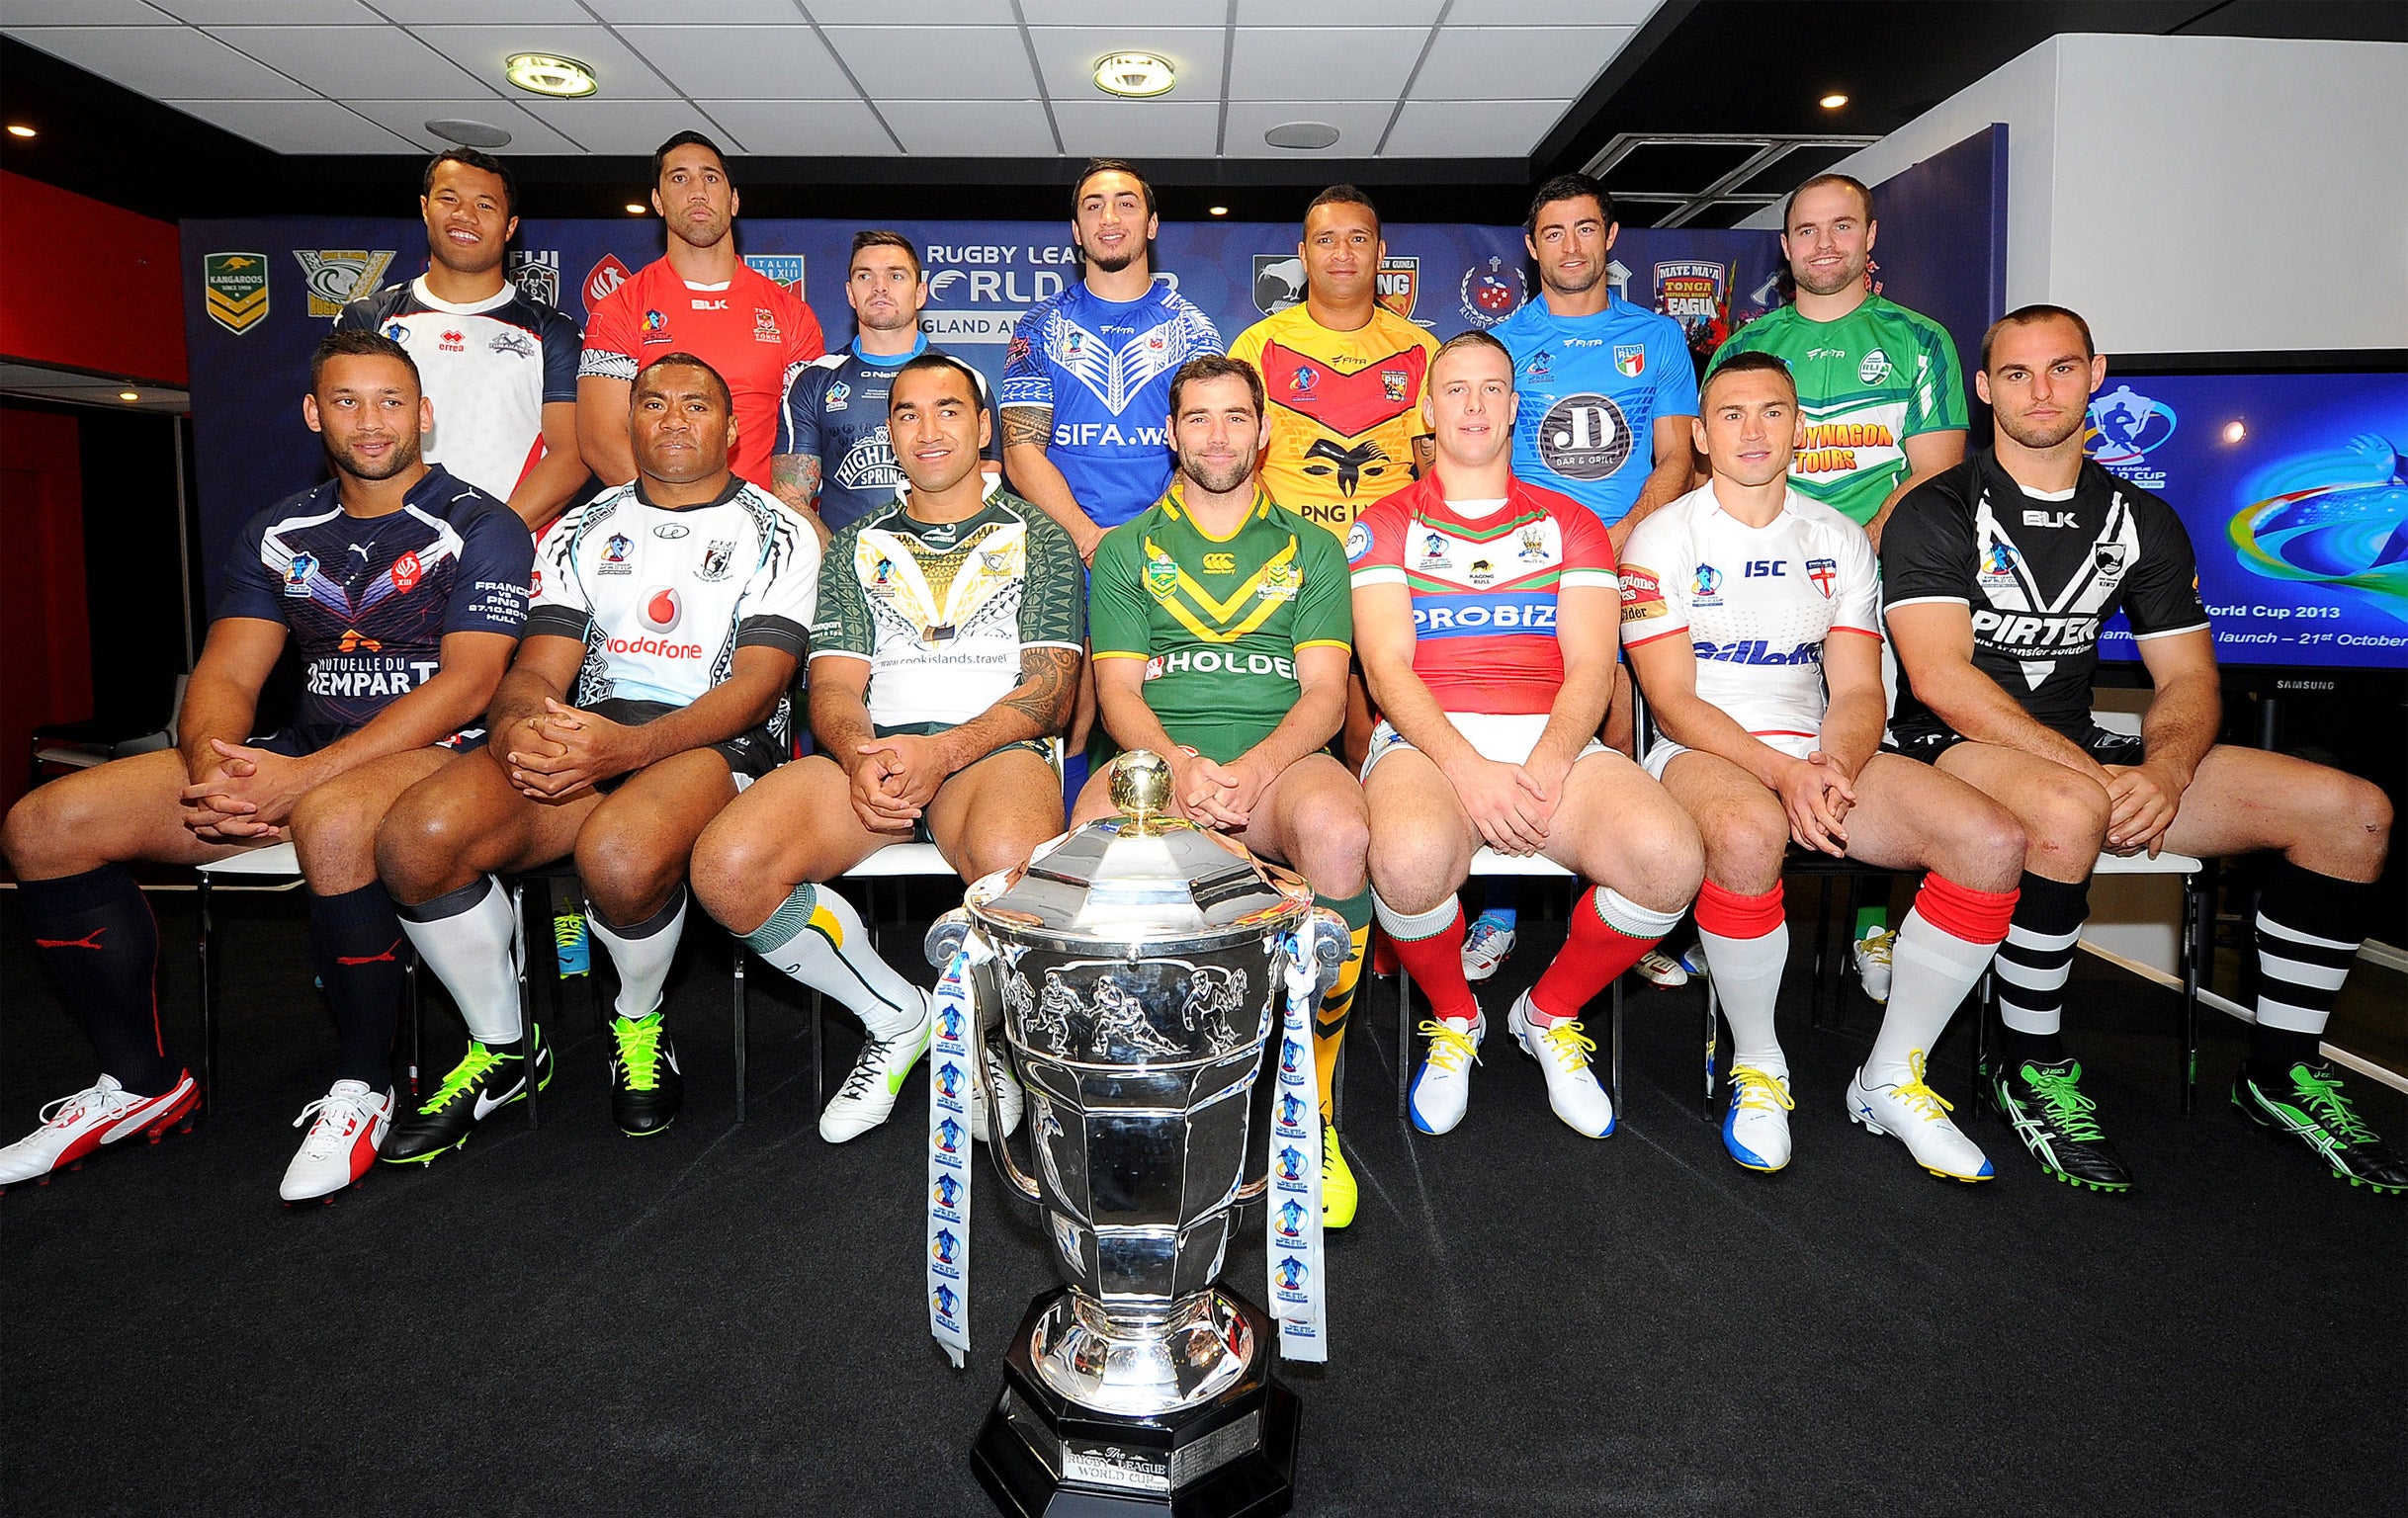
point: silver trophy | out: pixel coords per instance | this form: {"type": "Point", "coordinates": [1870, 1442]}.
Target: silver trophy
{"type": "Point", "coordinates": [1140, 969]}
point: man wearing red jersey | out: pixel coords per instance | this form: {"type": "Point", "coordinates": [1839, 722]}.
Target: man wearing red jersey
{"type": "Point", "coordinates": [698, 299]}
{"type": "Point", "coordinates": [1487, 615]}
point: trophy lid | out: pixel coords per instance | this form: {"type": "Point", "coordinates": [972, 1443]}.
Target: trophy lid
{"type": "Point", "coordinates": [1139, 881]}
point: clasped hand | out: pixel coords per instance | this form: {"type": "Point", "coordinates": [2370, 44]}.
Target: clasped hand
{"type": "Point", "coordinates": [561, 750]}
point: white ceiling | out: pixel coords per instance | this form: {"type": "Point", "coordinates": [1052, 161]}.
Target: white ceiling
{"type": "Point", "coordinates": [957, 78]}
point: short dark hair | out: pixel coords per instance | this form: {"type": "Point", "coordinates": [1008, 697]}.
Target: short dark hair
{"type": "Point", "coordinates": [660, 154]}
{"type": "Point", "coordinates": [1215, 366]}
{"type": "Point", "coordinates": [1097, 166]}
{"type": "Point", "coordinates": [878, 238]}
{"type": "Point", "coordinates": [1749, 362]}
{"type": "Point", "coordinates": [356, 343]}
{"type": "Point", "coordinates": [1567, 187]}
{"type": "Point", "coordinates": [1343, 195]}
{"type": "Point", "coordinates": [1475, 338]}
{"type": "Point", "coordinates": [727, 398]}
{"type": "Point", "coordinates": [1864, 194]}
{"type": "Point", "coordinates": [483, 163]}
{"type": "Point", "coordinates": [929, 358]}
{"type": "Point", "coordinates": [2032, 315]}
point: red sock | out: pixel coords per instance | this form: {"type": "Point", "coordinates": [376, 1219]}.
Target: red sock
{"type": "Point", "coordinates": [1436, 964]}
{"type": "Point", "coordinates": [1596, 953]}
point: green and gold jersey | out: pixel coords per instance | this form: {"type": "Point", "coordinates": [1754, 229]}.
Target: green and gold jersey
{"type": "Point", "coordinates": [1867, 383]}
{"type": "Point", "coordinates": [1219, 620]}
{"type": "Point", "coordinates": [942, 611]}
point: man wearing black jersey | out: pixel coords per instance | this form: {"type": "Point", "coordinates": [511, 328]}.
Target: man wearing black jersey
{"type": "Point", "coordinates": [1997, 575]}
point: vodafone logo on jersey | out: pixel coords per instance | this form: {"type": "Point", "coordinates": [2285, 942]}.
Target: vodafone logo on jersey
{"type": "Point", "coordinates": [602, 278]}
{"type": "Point", "coordinates": [662, 610]}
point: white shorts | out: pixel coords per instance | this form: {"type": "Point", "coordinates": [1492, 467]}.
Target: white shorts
{"type": "Point", "coordinates": [1507, 739]}
{"type": "Point", "coordinates": [1664, 750]}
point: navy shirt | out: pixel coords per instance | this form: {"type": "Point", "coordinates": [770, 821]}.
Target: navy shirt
{"type": "Point", "coordinates": [835, 411]}
{"type": "Point", "coordinates": [369, 600]}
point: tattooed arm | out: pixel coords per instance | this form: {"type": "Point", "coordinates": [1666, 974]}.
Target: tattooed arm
{"type": "Point", "coordinates": [911, 768]}
{"type": "Point", "coordinates": [796, 480]}
{"type": "Point", "coordinates": [1027, 431]}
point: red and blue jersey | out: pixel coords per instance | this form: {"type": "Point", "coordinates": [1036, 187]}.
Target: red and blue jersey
{"type": "Point", "coordinates": [1592, 391]}
{"type": "Point", "coordinates": [369, 600]}
{"type": "Point", "coordinates": [1484, 588]}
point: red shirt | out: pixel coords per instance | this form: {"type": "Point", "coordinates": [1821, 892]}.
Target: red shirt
{"type": "Point", "coordinates": [757, 333]}
{"type": "Point", "coordinates": [1484, 591]}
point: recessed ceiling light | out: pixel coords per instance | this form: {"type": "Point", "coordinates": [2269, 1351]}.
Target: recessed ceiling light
{"type": "Point", "coordinates": [1135, 75]}
{"type": "Point", "coordinates": [634, 207]}
{"type": "Point", "coordinates": [542, 73]}
{"type": "Point", "coordinates": [129, 394]}
{"type": "Point", "coordinates": [2235, 431]}
{"type": "Point", "coordinates": [1303, 134]}
{"type": "Point", "coordinates": [21, 131]}
{"type": "Point", "coordinates": [1216, 210]}
{"type": "Point", "coordinates": [1834, 101]}
{"type": "Point", "coordinates": [468, 133]}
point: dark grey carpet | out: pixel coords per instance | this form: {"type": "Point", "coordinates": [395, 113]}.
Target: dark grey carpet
{"type": "Point", "coordinates": [727, 1319]}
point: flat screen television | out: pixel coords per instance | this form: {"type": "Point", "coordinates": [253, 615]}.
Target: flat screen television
{"type": "Point", "coordinates": [2291, 474]}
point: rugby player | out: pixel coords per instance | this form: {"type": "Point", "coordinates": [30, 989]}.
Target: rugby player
{"type": "Point", "coordinates": [1883, 400]}
{"type": "Point", "coordinates": [943, 667]}
{"type": "Point", "coordinates": [1485, 615]}
{"type": "Point", "coordinates": [669, 619]}
{"type": "Point", "coordinates": [404, 591]}
{"type": "Point", "coordinates": [698, 297]}
{"type": "Point", "coordinates": [1751, 615]}
{"type": "Point", "coordinates": [834, 463]}
{"type": "Point", "coordinates": [1223, 634]}
{"type": "Point", "coordinates": [500, 367]}
{"type": "Point", "coordinates": [1997, 575]}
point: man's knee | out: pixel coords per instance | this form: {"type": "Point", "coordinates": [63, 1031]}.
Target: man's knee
{"type": "Point", "coordinates": [2354, 814]}
{"type": "Point", "coordinates": [625, 870]}
{"type": "Point", "coordinates": [1982, 847]}
{"type": "Point", "coordinates": [1664, 853]}
{"type": "Point", "coordinates": [1744, 845]}
{"type": "Point", "coordinates": [421, 837]}
{"type": "Point", "coordinates": [2065, 821]}
{"type": "Point", "coordinates": [1414, 869]}
{"type": "Point", "coordinates": [1333, 839]}
{"type": "Point", "coordinates": [333, 827]}
{"type": "Point", "coordinates": [65, 825]}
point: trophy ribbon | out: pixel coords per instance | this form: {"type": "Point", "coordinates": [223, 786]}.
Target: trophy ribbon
{"type": "Point", "coordinates": [951, 1050]}
{"type": "Point", "coordinates": [1292, 1213]}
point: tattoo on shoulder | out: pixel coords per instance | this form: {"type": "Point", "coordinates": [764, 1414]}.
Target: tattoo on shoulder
{"type": "Point", "coordinates": [795, 478]}
{"type": "Point", "coordinates": [1049, 684]}
{"type": "Point", "coordinates": [1030, 426]}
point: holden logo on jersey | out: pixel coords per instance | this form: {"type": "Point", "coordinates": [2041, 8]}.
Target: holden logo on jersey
{"type": "Point", "coordinates": [512, 341]}
{"type": "Point", "coordinates": [1825, 572]}
{"type": "Point", "coordinates": [1874, 369]}
{"type": "Point", "coordinates": [1629, 360]}
{"type": "Point", "coordinates": [662, 610]}
{"type": "Point", "coordinates": [602, 278]}
{"type": "Point", "coordinates": [717, 558]}
{"type": "Point", "coordinates": [334, 274]}
{"type": "Point", "coordinates": [1490, 292]}
{"type": "Point", "coordinates": [536, 274]}
{"type": "Point", "coordinates": [1583, 436]}
{"type": "Point", "coordinates": [234, 290]}
{"type": "Point", "coordinates": [408, 571]}
{"type": "Point", "coordinates": [297, 575]}
{"type": "Point", "coordinates": [453, 339]}
{"type": "Point", "coordinates": [672, 531]}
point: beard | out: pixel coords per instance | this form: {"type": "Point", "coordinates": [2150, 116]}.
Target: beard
{"type": "Point", "coordinates": [1112, 264]}
{"type": "Point", "coordinates": [1849, 273]}
{"type": "Point", "coordinates": [405, 454]}
{"type": "Point", "coordinates": [1565, 286]}
{"type": "Point", "coordinates": [1212, 481]}
{"type": "Point", "coordinates": [2040, 439]}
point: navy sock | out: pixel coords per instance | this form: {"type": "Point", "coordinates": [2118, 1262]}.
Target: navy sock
{"type": "Point", "coordinates": [97, 935]}
{"type": "Point", "coordinates": [356, 946]}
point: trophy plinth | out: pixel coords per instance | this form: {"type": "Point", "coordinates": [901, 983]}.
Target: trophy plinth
{"type": "Point", "coordinates": [1230, 1454]}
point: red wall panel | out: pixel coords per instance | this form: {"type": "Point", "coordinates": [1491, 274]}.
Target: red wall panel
{"type": "Point", "coordinates": [88, 286]}
{"type": "Point", "coordinates": [43, 620]}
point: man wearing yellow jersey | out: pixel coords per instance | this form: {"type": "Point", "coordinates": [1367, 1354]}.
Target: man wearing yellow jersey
{"type": "Point", "coordinates": [1341, 378]}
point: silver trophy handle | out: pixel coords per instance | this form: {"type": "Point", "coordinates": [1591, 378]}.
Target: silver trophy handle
{"type": "Point", "coordinates": [945, 939]}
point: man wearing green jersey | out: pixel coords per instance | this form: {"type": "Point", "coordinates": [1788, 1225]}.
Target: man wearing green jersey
{"type": "Point", "coordinates": [1223, 628]}
{"type": "Point", "coordinates": [1879, 391]}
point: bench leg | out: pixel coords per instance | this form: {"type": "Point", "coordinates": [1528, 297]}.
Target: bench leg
{"type": "Point", "coordinates": [1822, 947]}
{"type": "Point", "coordinates": [736, 1016]}
{"type": "Point", "coordinates": [818, 1058]}
{"type": "Point", "coordinates": [2196, 946]}
{"type": "Point", "coordinates": [209, 1019]}
{"type": "Point", "coordinates": [1614, 1034]}
{"type": "Point", "coordinates": [1404, 1044]}
{"type": "Point", "coordinates": [1713, 1028]}
{"type": "Point", "coordinates": [417, 1018]}
{"type": "Point", "coordinates": [1985, 994]}
{"type": "Point", "coordinates": [527, 1032]}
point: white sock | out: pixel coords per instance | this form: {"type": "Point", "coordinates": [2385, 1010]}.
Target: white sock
{"type": "Point", "coordinates": [1747, 974]}
{"type": "Point", "coordinates": [815, 937]}
{"type": "Point", "coordinates": [1930, 971]}
{"type": "Point", "coordinates": [465, 936]}
{"type": "Point", "coordinates": [640, 953]}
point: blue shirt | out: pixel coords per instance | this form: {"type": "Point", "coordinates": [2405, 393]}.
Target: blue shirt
{"type": "Point", "coordinates": [1104, 368]}
{"type": "Point", "coordinates": [1592, 390]}
{"type": "Point", "coordinates": [369, 600]}
{"type": "Point", "coordinates": [835, 411]}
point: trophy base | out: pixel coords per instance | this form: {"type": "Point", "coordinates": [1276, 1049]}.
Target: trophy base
{"type": "Point", "coordinates": [1041, 1455]}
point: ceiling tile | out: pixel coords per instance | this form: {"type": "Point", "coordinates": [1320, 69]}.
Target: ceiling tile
{"type": "Point", "coordinates": [268, 12]}
{"type": "Point", "coordinates": [1345, 13]}
{"type": "Point", "coordinates": [163, 62]}
{"type": "Point", "coordinates": [626, 127]}
{"type": "Point", "coordinates": [409, 119]}
{"type": "Point", "coordinates": [785, 62]}
{"type": "Point", "coordinates": [1067, 56]}
{"type": "Point", "coordinates": [1481, 63]}
{"type": "Point", "coordinates": [803, 129]}
{"type": "Point", "coordinates": [80, 12]}
{"type": "Point", "coordinates": [484, 50]}
{"type": "Point", "coordinates": [965, 128]}
{"type": "Point", "coordinates": [701, 12]}
{"type": "Point", "coordinates": [1139, 128]}
{"type": "Point", "coordinates": [1302, 64]}
{"type": "Point", "coordinates": [412, 13]}
{"type": "Point", "coordinates": [936, 62]}
{"type": "Point", "coordinates": [1468, 128]}
{"type": "Point", "coordinates": [296, 126]}
{"type": "Point", "coordinates": [1116, 12]}
{"type": "Point", "coordinates": [1359, 124]}
{"type": "Point", "coordinates": [337, 60]}
{"type": "Point", "coordinates": [865, 12]}
{"type": "Point", "coordinates": [1551, 13]}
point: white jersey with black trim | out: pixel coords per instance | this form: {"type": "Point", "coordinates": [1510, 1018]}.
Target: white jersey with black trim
{"type": "Point", "coordinates": [1756, 602]}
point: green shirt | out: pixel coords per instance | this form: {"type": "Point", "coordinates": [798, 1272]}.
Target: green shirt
{"type": "Point", "coordinates": [1219, 620]}
{"type": "Point", "coordinates": [1867, 383]}
{"type": "Point", "coordinates": [943, 611]}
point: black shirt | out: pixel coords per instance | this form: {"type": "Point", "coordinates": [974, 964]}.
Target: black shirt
{"type": "Point", "coordinates": [2039, 576]}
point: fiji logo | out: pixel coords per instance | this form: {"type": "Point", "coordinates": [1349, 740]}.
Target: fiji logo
{"type": "Point", "coordinates": [949, 1136]}
{"type": "Point", "coordinates": [2126, 426]}
{"type": "Point", "coordinates": [537, 275]}
{"type": "Point", "coordinates": [947, 1193]}
{"type": "Point", "coordinates": [1629, 360]}
{"type": "Point", "coordinates": [1707, 582]}
{"type": "Point", "coordinates": [717, 558]}
{"type": "Point", "coordinates": [1291, 1163]}
{"type": "Point", "coordinates": [1825, 572]}
{"type": "Point", "coordinates": [1292, 1273]}
{"type": "Point", "coordinates": [949, 1078]}
{"type": "Point", "coordinates": [1291, 1221]}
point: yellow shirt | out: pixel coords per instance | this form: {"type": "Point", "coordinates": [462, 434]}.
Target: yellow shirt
{"type": "Point", "coordinates": [1343, 409]}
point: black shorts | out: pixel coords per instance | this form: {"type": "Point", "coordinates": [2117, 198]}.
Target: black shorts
{"type": "Point", "coordinates": [303, 739]}
{"type": "Point", "coordinates": [2106, 748]}
{"type": "Point", "coordinates": [750, 754]}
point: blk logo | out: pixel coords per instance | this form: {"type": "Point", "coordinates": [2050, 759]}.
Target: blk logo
{"type": "Point", "coordinates": [2047, 518]}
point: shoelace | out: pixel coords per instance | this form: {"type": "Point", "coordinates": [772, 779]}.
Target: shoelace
{"type": "Point", "coordinates": [338, 1118]}
{"type": "Point", "coordinates": [1483, 935]}
{"type": "Point", "coordinates": [1448, 1047]}
{"type": "Point", "coordinates": [473, 1066]}
{"type": "Point", "coordinates": [2321, 1091]}
{"type": "Point", "coordinates": [567, 932]}
{"type": "Point", "coordinates": [1751, 1087]}
{"type": "Point", "coordinates": [1877, 945]}
{"type": "Point", "coordinates": [639, 1051]}
{"type": "Point", "coordinates": [1927, 1102]}
{"type": "Point", "coordinates": [2067, 1106]}
{"type": "Point", "coordinates": [91, 1101]}
{"type": "Point", "coordinates": [866, 1072]}
{"type": "Point", "coordinates": [1570, 1047]}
